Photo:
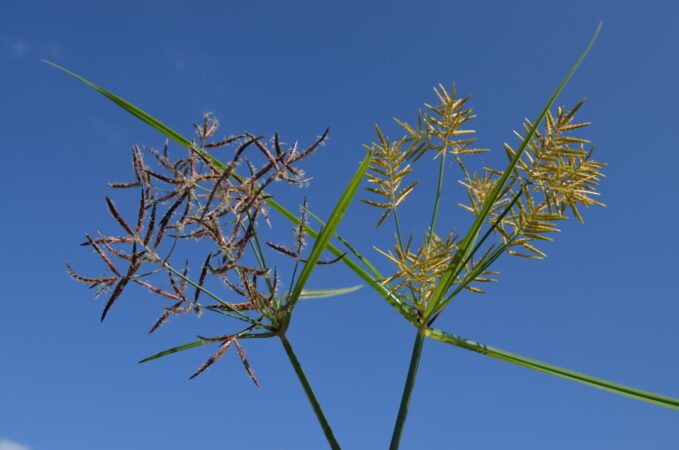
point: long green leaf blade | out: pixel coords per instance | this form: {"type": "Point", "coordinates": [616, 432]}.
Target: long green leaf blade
{"type": "Point", "coordinates": [195, 344]}
{"type": "Point", "coordinates": [308, 294]}
{"type": "Point", "coordinates": [327, 232]}
{"type": "Point", "coordinates": [127, 106]}
{"type": "Point", "coordinates": [172, 350]}
{"type": "Point", "coordinates": [349, 247]}
{"type": "Point", "coordinates": [144, 117]}
{"type": "Point", "coordinates": [312, 294]}
{"type": "Point", "coordinates": [616, 388]}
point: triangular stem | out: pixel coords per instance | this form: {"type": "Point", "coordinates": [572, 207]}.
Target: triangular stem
{"type": "Point", "coordinates": [408, 389]}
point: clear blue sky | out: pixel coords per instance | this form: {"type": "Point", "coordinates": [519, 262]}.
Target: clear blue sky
{"type": "Point", "coordinates": [604, 302]}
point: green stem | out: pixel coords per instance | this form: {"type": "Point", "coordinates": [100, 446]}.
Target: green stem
{"type": "Point", "coordinates": [400, 245]}
{"type": "Point", "coordinates": [259, 254]}
{"type": "Point", "coordinates": [239, 316]}
{"type": "Point", "coordinates": [309, 393]}
{"type": "Point", "coordinates": [407, 389]}
{"type": "Point", "coordinates": [397, 224]}
{"type": "Point", "coordinates": [439, 188]}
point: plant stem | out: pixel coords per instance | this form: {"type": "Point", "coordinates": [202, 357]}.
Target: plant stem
{"type": "Point", "coordinates": [400, 244]}
{"type": "Point", "coordinates": [408, 389]}
{"type": "Point", "coordinates": [397, 224]}
{"type": "Point", "coordinates": [240, 315]}
{"type": "Point", "coordinates": [439, 188]}
{"type": "Point", "coordinates": [259, 254]}
{"type": "Point", "coordinates": [309, 393]}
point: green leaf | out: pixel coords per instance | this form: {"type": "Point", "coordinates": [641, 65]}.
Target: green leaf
{"type": "Point", "coordinates": [620, 389]}
{"type": "Point", "coordinates": [324, 293]}
{"type": "Point", "coordinates": [195, 344]}
{"type": "Point", "coordinates": [257, 335]}
{"type": "Point", "coordinates": [383, 289]}
{"type": "Point", "coordinates": [167, 131]}
{"type": "Point", "coordinates": [464, 251]}
{"type": "Point", "coordinates": [355, 252]}
{"type": "Point", "coordinates": [146, 118]}
{"type": "Point", "coordinates": [308, 294]}
{"type": "Point", "coordinates": [175, 350]}
{"type": "Point", "coordinates": [328, 230]}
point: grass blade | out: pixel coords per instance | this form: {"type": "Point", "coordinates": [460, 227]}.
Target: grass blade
{"type": "Point", "coordinates": [327, 232]}
{"type": "Point", "coordinates": [127, 106]}
{"type": "Point", "coordinates": [325, 293]}
{"type": "Point", "coordinates": [349, 247]}
{"type": "Point", "coordinates": [172, 350]}
{"type": "Point", "coordinates": [195, 344]}
{"type": "Point", "coordinates": [616, 388]}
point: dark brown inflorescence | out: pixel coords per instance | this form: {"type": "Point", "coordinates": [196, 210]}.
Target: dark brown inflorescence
{"type": "Point", "coordinates": [196, 198]}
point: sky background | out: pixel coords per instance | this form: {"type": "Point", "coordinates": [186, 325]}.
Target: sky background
{"type": "Point", "coordinates": [603, 303]}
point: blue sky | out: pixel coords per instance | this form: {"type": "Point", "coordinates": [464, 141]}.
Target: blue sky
{"type": "Point", "coordinates": [603, 302]}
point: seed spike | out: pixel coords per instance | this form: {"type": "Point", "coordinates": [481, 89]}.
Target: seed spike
{"type": "Point", "coordinates": [218, 354]}
{"type": "Point", "coordinates": [116, 215]}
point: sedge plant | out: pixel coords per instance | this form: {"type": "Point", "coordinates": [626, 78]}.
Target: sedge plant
{"type": "Point", "coordinates": [549, 176]}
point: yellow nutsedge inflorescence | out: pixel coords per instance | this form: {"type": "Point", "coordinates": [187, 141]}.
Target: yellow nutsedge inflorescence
{"type": "Point", "coordinates": [418, 271]}
{"type": "Point", "coordinates": [190, 197]}
{"type": "Point", "coordinates": [554, 174]}
{"type": "Point", "coordinates": [386, 174]}
{"type": "Point", "coordinates": [439, 129]}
